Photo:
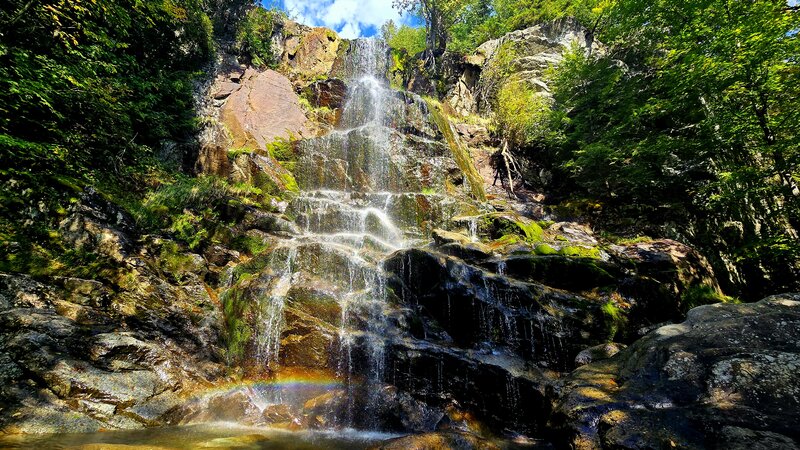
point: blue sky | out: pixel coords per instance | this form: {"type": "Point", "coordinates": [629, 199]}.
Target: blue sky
{"type": "Point", "coordinates": [350, 18]}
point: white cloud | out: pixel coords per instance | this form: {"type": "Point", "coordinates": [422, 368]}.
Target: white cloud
{"type": "Point", "coordinates": [350, 18]}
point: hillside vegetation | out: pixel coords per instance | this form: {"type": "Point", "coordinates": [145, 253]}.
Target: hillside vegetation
{"type": "Point", "coordinates": [102, 94]}
{"type": "Point", "coordinates": [684, 124]}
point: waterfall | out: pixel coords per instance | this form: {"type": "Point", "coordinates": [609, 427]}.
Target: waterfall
{"type": "Point", "coordinates": [353, 210]}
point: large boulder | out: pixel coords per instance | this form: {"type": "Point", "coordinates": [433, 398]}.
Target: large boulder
{"type": "Point", "coordinates": [263, 109]}
{"type": "Point", "coordinates": [727, 377]}
{"type": "Point", "coordinates": [246, 110]}
{"type": "Point", "coordinates": [675, 265]}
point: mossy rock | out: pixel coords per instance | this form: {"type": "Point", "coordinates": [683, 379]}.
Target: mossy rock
{"type": "Point", "coordinates": [500, 225]}
{"type": "Point", "coordinates": [575, 251]}
{"type": "Point", "coordinates": [545, 250]}
{"type": "Point", "coordinates": [505, 241]}
{"type": "Point", "coordinates": [702, 294]}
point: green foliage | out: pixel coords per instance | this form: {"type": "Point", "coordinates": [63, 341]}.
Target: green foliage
{"type": "Point", "coordinates": [254, 37]}
{"type": "Point", "coordinates": [193, 210]}
{"type": "Point", "coordinates": [439, 17]}
{"type": "Point", "coordinates": [290, 183]}
{"type": "Point", "coordinates": [473, 22]}
{"type": "Point", "coordinates": [88, 90]}
{"type": "Point", "coordinates": [406, 45]}
{"type": "Point", "coordinates": [281, 149]}
{"type": "Point", "coordinates": [99, 81]}
{"type": "Point", "coordinates": [475, 25]}
{"type": "Point", "coordinates": [691, 114]}
{"type": "Point", "coordinates": [522, 115]}
{"type": "Point", "coordinates": [234, 152]}
{"type": "Point", "coordinates": [411, 40]}
{"type": "Point", "coordinates": [615, 319]}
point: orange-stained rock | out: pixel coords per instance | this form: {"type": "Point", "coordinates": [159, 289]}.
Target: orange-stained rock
{"type": "Point", "coordinates": [309, 53]}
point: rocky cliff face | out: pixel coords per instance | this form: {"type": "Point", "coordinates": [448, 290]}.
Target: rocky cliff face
{"type": "Point", "coordinates": [520, 56]}
{"type": "Point", "coordinates": [392, 288]}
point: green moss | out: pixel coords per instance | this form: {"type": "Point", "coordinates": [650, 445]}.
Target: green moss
{"type": "Point", "coordinates": [533, 232]}
{"type": "Point", "coordinates": [575, 251]}
{"type": "Point", "coordinates": [459, 151]}
{"type": "Point", "coordinates": [249, 244]}
{"type": "Point", "coordinates": [702, 294]}
{"type": "Point", "coordinates": [545, 250]}
{"type": "Point", "coordinates": [623, 240]}
{"type": "Point", "coordinates": [501, 224]}
{"type": "Point", "coordinates": [236, 307]}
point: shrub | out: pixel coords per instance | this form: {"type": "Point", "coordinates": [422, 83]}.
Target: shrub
{"type": "Point", "coordinates": [522, 115]}
{"type": "Point", "coordinates": [254, 37]}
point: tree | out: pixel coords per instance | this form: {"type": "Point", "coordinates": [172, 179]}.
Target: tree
{"type": "Point", "coordinates": [409, 39]}
{"type": "Point", "coordinates": [439, 16]}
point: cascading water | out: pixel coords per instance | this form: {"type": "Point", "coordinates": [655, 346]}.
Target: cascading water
{"type": "Point", "coordinates": [270, 312]}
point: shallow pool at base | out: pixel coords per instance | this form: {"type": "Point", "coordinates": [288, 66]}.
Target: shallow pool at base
{"type": "Point", "coordinates": [219, 436]}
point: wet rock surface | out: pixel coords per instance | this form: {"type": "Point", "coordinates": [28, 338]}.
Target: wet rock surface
{"type": "Point", "coordinates": [441, 440]}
